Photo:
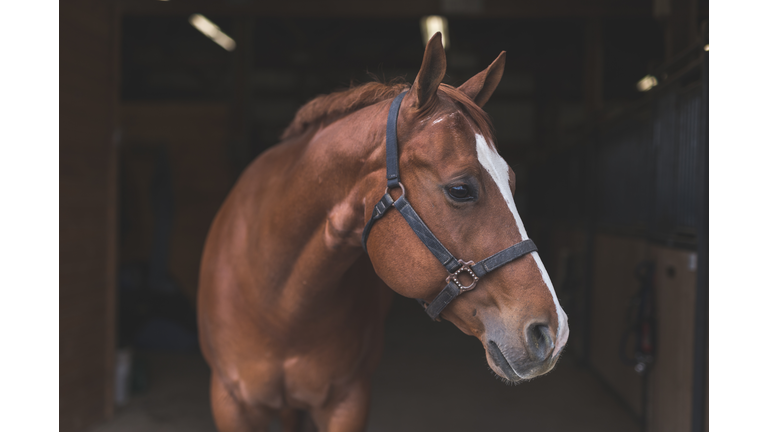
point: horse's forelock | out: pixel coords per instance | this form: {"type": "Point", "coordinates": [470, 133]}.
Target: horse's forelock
{"type": "Point", "coordinates": [480, 118]}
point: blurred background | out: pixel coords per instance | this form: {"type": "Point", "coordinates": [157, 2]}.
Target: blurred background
{"type": "Point", "coordinates": [602, 114]}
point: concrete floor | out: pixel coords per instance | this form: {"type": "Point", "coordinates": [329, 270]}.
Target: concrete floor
{"type": "Point", "coordinates": [432, 377]}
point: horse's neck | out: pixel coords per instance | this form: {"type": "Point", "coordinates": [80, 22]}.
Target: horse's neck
{"type": "Point", "coordinates": [310, 234]}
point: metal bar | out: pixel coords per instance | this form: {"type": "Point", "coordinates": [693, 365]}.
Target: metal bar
{"type": "Point", "coordinates": [681, 55]}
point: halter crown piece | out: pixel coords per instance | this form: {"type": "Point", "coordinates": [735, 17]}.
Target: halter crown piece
{"type": "Point", "coordinates": [453, 265]}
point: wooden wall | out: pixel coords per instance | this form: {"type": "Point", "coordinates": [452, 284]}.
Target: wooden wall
{"type": "Point", "coordinates": [87, 224]}
{"type": "Point", "coordinates": [671, 380]}
{"type": "Point", "coordinates": [195, 136]}
{"type": "Point", "coordinates": [671, 377]}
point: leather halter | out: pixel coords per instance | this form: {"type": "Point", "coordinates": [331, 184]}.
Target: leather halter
{"type": "Point", "coordinates": [453, 265]}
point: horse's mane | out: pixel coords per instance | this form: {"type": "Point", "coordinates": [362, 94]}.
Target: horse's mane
{"type": "Point", "coordinates": [326, 109]}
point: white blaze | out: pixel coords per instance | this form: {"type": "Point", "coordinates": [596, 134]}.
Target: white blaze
{"type": "Point", "coordinates": [499, 170]}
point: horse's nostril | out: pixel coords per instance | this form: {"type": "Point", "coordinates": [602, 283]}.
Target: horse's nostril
{"type": "Point", "coordinates": [539, 341]}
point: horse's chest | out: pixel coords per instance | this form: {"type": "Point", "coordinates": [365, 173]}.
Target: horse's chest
{"type": "Point", "coordinates": [307, 377]}
{"type": "Point", "coordinates": [310, 378]}
{"type": "Point", "coordinates": [306, 382]}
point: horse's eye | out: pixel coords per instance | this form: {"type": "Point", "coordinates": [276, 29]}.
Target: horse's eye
{"type": "Point", "coordinates": [459, 192]}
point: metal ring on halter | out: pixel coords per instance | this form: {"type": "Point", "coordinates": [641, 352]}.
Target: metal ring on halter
{"type": "Point", "coordinates": [386, 191]}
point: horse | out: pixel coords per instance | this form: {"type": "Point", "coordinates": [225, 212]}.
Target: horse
{"type": "Point", "coordinates": [301, 261]}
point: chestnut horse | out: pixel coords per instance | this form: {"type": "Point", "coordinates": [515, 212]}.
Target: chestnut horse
{"type": "Point", "coordinates": [292, 308]}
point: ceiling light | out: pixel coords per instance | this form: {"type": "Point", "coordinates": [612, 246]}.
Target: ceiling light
{"type": "Point", "coordinates": [211, 30]}
{"type": "Point", "coordinates": [706, 47]}
{"type": "Point", "coordinates": [432, 24]}
{"type": "Point", "coordinates": [646, 83]}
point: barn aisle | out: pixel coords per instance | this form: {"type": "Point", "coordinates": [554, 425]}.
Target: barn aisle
{"type": "Point", "coordinates": [432, 377]}
{"type": "Point", "coordinates": [435, 378]}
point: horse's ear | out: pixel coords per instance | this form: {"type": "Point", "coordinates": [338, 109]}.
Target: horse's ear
{"type": "Point", "coordinates": [431, 73]}
{"type": "Point", "coordinates": [481, 86]}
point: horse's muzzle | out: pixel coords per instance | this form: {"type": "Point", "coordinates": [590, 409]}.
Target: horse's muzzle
{"type": "Point", "coordinates": [535, 357]}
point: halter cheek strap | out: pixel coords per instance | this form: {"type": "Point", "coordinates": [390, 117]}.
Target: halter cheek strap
{"type": "Point", "coordinates": [454, 266]}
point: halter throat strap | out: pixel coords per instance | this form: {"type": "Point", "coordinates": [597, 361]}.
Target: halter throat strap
{"type": "Point", "coordinates": [453, 265]}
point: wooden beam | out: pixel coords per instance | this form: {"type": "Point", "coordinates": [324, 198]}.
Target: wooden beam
{"type": "Point", "coordinates": [681, 26]}
{"type": "Point", "coordinates": [88, 212]}
{"type": "Point", "coordinates": [395, 8]}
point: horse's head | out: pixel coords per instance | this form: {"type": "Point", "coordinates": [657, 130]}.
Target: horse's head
{"type": "Point", "coordinates": [462, 189]}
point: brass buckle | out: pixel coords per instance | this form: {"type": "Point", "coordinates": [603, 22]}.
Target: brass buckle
{"type": "Point", "coordinates": [465, 267]}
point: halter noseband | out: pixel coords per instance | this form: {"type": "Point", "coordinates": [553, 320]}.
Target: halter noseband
{"type": "Point", "coordinates": [453, 265]}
